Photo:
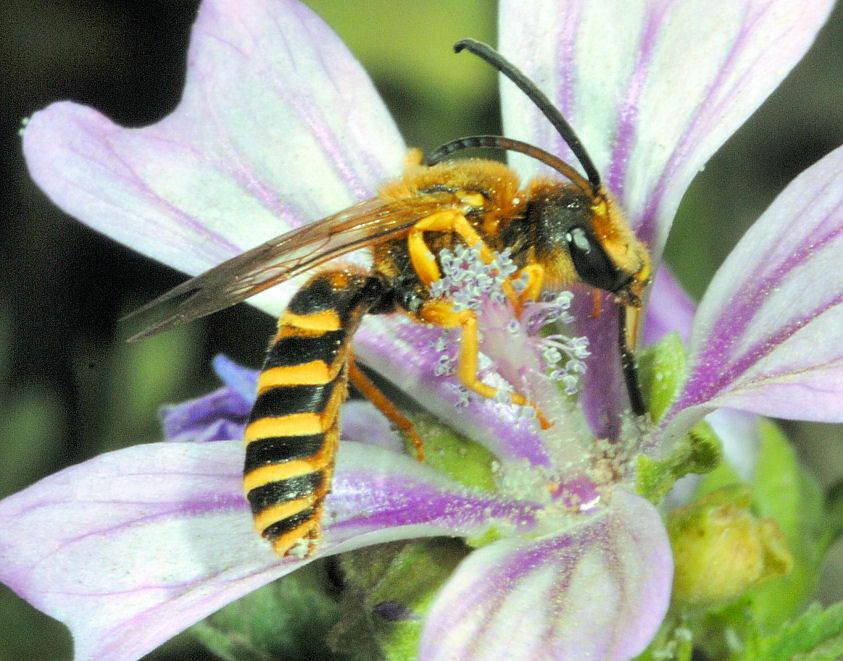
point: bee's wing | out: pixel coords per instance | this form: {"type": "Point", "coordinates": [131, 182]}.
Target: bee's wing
{"type": "Point", "coordinates": [288, 255]}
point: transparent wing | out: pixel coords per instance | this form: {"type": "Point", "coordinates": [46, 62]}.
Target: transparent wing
{"type": "Point", "coordinates": [288, 255]}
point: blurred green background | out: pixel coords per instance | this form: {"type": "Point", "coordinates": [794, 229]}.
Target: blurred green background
{"type": "Point", "coordinates": [72, 388]}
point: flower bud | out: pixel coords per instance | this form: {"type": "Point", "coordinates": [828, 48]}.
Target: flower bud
{"type": "Point", "coordinates": [721, 549]}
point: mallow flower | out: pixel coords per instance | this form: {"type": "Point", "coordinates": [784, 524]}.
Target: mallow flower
{"type": "Point", "coordinates": [279, 126]}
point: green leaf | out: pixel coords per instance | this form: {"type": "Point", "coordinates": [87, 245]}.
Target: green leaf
{"type": "Point", "coordinates": [288, 619]}
{"type": "Point", "coordinates": [389, 589]}
{"type": "Point", "coordinates": [816, 635]}
{"type": "Point", "coordinates": [782, 491]}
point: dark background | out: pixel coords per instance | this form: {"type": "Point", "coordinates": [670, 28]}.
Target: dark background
{"type": "Point", "coordinates": [71, 388]}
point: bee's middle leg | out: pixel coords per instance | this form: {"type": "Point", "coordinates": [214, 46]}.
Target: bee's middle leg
{"type": "Point", "coordinates": [441, 313]}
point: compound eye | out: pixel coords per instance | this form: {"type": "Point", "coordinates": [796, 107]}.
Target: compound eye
{"type": "Point", "coordinates": [591, 262]}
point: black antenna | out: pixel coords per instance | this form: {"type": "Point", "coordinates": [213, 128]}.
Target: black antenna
{"type": "Point", "coordinates": [498, 142]}
{"type": "Point", "coordinates": [490, 55]}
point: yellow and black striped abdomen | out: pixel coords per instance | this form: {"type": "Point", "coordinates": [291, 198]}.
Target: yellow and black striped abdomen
{"type": "Point", "coordinates": [293, 428]}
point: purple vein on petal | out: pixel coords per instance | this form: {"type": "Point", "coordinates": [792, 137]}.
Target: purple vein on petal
{"type": "Point", "coordinates": [599, 589]}
{"type": "Point", "coordinates": [713, 104]}
{"type": "Point", "coordinates": [627, 120]}
{"type": "Point", "coordinates": [745, 305]}
{"type": "Point", "coordinates": [262, 191]}
{"type": "Point", "coordinates": [227, 248]}
{"type": "Point", "coordinates": [705, 385]}
{"type": "Point", "coordinates": [216, 504]}
{"type": "Point", "coordinates": [312, 117]}
{"type": "Point", "coordinates": [565, 86]}
{"type": "Point", "coordinates": [234, 165]}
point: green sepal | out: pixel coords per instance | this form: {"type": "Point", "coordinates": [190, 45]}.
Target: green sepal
{"type": "Point", "coordinates": [457, 457]}
{"type": "Point", "coordinates": [388, 591]}
{"type": "Point", "coordinates": [698, 451]}
{"type": "Point", "coordinates": [661, 371]}
{"type": "Point", "coordinates": [491, 535]}
{"type": "Point", "coordinates": [290, 618]}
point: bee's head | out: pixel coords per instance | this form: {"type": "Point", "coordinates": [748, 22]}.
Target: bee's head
{"type": "Point", "coordinates": [580, 237]}
{"type": "Point", "coordinates": [576, 231]}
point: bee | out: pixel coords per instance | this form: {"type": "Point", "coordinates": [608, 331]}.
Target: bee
{"type": "Point", "coordinates": [557, 233]}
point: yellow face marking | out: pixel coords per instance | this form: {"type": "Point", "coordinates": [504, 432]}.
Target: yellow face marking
{"type": "Point", "coordinates": [326, 320]}
{"type": "Point", "coordinates": [281, 511]}
{"type": "Point", "coordinates": [314, 373]}
{"type": "Point", "coordinates": [279, 472]}
{"type": "Point", "coordinates": [295, 424]}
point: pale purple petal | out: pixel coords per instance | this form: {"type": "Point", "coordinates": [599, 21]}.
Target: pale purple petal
{"type": "Point", "coordinates": [243, 380]}
{"type": "Point", "coordinates": [652, 91]}
{"type": "Point", "coordinates": [278, 126]}
{"type": "Point", "coordinates": [379, 496]}
{"type": "Point", "coordinates": [670, 309]}
{"type": "Point", "coordinates": [364, 423]}
{"type": "Point", "coordinates": [220, 415]}
{"type": "Point", "coordinates": [133, 546]}
{"type": "Point", "coordinates": [767, 335]}
{"type": "Point", "coordinates": [740, 435]}
{"type": "Point", "coordinates": [599, 591]}
{"type": "Point", "coordinates": [125, 549]}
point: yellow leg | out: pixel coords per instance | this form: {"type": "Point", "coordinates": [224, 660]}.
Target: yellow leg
{"type": "Point", "coordinates": [371, 392]}
{"type": "Point", "coordinates": [451, 220]}
{"type": "Point", "coordinates": [535, 282]}
{"type": "Point", "coordinates": [442, 314]}
{"type": "Point", "coordinates": [595, 309]}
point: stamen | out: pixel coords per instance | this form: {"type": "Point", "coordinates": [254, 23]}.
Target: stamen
{"type": "Point", "coordinates": [470, 283]}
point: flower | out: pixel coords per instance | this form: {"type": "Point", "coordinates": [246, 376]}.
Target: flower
{"type": "Point", "coordinates": [278, 126]}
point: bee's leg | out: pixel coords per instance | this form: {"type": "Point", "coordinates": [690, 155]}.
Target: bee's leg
{"type": "Point", "coordinates": [371, 392]}
{"type": "Point", "coordinates": [533, 288]}
{"type": "Point", "coordinates": [595, 309]}
{"type": "Point", "coordinates": [449, 220]}
{"type": "Point", "coordinates": [442, 314]}
{"type": "Point", "coordinates": [413, 159]}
